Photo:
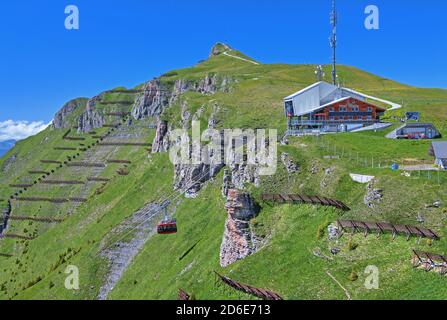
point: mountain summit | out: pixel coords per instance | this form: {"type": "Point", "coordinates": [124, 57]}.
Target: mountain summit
{"type": "Point", "coordinates": [219, 48]}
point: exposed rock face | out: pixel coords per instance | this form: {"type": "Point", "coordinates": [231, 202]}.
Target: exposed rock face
{"type": "Point", "coordinates": [238, 240]}
{"type": "Point", "coordinates": [5, 217]}
{"type": "Point", "coordinates": [9, 162]}
{"type": "Point", "coordinates": [213, 84]}
{"type": "Point", "coordinates": [373, 195]}
{"type": "Point", "coordinates": [161, 140]}
{"type": "Point", "coordinates": [157, 96]}
{"type": "Point", "coordinates": [239, 174]}
{"type": "Point", "coordinates": [227, 183]}
{"type": "Point", "coordinates": [190, 178]}
{"type": "Point", "coordinates": [290, 165]}
{"type": "Point", "coordinates": [60, 119]}
{"type": "Point", "coordinates": [91, 118]}
{"type": "Point", "coordinates": [333, 232]}
{"type": "Point", "coordinates": [244, 173]}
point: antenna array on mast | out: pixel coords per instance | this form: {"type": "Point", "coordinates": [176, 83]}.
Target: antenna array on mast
{"type": "Point", "coordinates": [333, 41]}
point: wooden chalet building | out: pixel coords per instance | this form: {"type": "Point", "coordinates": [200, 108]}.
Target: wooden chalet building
{"type": "Point", "coordinates": [323, 107]}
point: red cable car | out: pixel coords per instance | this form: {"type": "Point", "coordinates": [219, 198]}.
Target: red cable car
{"type": "Point", "coordinates": [168, 225]}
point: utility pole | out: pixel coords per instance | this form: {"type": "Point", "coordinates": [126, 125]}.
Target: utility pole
{"type": "Point", "coordinates": [333, 41]}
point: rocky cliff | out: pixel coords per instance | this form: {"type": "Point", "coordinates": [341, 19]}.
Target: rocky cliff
{"type": "Point", "coordinates": [191, 177]}
{"type": "Point", "coordinates": [238, 240]}
{"type": "Point", "coordinates": [62, 119]}
{"type": "Point", "coordinates": [91, 118]}
{"type": "Point", "coordinates": [158, 95]}
{"type": "Point", "coordinates": [161, 140]}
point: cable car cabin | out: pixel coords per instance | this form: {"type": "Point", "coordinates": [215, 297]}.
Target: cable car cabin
{"type": "Point", "coordinates": [167, 227]}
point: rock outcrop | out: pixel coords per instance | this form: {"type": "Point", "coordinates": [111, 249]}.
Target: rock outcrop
{"type": "Point", "coordinates": [157, 95]}
{"type": "Point", "coordinates": [239, 174]}
{"type": "Point", "coordinates": [61, 119]}
{"type": "Point", "coordinates": [333, 232]}
{"type": "Point", "coordinates": [8, 163]}
{"type": "Point", "coordinates": [373, 195]}
{"type": "Point", "coordinates": [91, 118]}
{"type": "Point", "coordinates": [154, 100]}
{"type": "Point", "coordinates": [190, 178]}
{"type": "Point", "coordinates": [290, 165]}
{"type": "Point", "coordinates": [161, 140]}
{"type": "Point", "coordinates": [238, 240]}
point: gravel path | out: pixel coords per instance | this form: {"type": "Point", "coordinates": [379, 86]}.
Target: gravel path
{"type": "Point", "coordinates": [140, 227]}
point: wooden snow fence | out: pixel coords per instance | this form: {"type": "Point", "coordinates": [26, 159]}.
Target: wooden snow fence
{"type": "Point", "coordinates": [17, 236]}
{"type": "Point", "coordinates": [20, 185]}
{"type": "Point", "coordinates": [111, 125]}
{"type": "Point", "coordinates": [295, 198]}
{"type": "Point", "coordinates": [62, 182]}
{"type": "Point", "coordinates": [385, 227]}
{"type": "Point", "coordinates": [65, 148]}
{"type": "Point", "coordinates": [38, 172]}
{"type": "Point", "coordinates": [119, 161]}
{"type": "Point", "coordinates": [66, 136]}
{"type": "Point", "coordinates": [87, 164]}
{"type": "Point", "coordinates": [137, 144]}
{"type": "Point", "coordinates": [257, 292]}
{"type": "Point", "coordinates": [183, 296]}
{"type": "Point", "coordinates": [52, 200]}
{"type": "Point", "coordinates": [45, 220]}
{"type": "Point", "coordinates": [95, 179]}
{"type": "Point", "coordinates": [430, 262]}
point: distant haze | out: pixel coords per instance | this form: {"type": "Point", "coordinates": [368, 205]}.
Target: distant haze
{"type": "Point", "coordinates": [5, 146]}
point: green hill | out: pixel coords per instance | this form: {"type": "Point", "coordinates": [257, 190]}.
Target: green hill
{"type": "Point", "coordinates": [90, 221]}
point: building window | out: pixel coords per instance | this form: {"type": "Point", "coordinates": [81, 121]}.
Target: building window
{"type": "Point", "coordinates": [331, 118]}
{"type": "Point", "coordinates": [369, 117]}
{"type": "Point", "coordinates": [355, 109]}
{"type": "Point", "coordinates": [331, 109]}
{"type": "Point", "coordinates": [370, 109]}
{"type": "Point", "coordinates": [342, 109]}
{"type": "Point", "coordinates": [289, 108]}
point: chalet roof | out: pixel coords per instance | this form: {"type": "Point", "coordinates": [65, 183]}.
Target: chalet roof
{"type": "Point", "coordinates": [347, 98]}
{"type": "Point", "coordinates": [320, 94]}
{"type": "Point", "coordinates": [317, 84]}
{"type": "Point", "coordinates": [440, 149]}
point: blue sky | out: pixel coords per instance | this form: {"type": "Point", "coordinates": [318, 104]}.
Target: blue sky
{"type": "Point", "coordinates": [42, 65]}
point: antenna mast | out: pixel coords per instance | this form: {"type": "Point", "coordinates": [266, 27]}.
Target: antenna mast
{"type": "Point", "coordinates": [333, 41]}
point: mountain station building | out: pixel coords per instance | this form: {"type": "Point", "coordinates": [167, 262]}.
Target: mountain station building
{"type": "Point", "coordinates": [323, 107]}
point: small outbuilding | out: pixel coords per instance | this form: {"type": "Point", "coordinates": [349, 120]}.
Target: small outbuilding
{"type": "Point", "coordinates": [439, 151]}
{"type": "Point", "coordinates": [418, 130]}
